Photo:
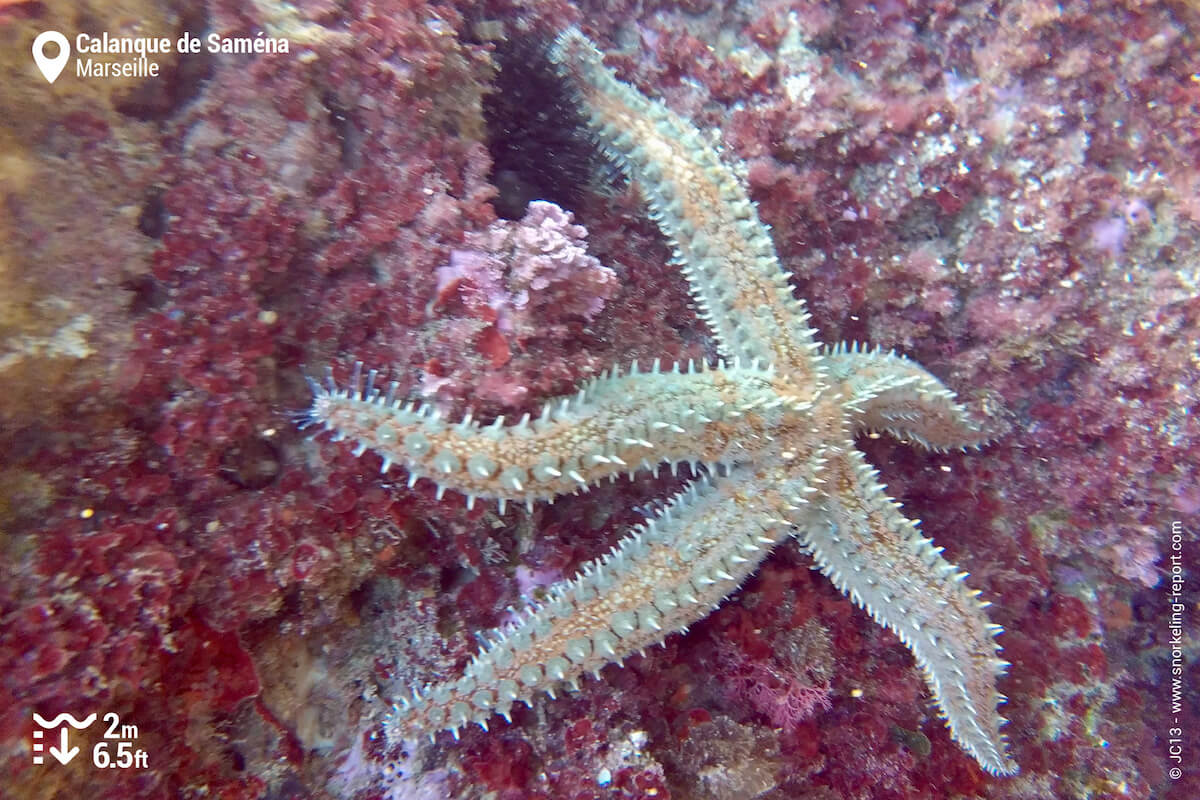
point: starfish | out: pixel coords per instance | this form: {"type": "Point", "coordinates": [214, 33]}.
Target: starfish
{"type": "Point", "coordinates": [769, 432]}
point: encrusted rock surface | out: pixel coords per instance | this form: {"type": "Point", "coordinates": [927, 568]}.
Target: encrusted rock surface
{"type": "Point", "coordinates": [1007, 194]}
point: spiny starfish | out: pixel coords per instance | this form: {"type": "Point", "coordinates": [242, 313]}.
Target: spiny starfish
{"type": "Point", "coordinates": [773, 426]}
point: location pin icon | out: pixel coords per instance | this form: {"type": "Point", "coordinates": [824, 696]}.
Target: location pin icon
{"type": "Point", "coordinates": [51, 67]}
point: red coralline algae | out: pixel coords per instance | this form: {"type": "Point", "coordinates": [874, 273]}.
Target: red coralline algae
{"type": "Point", "coordinates": [781, 698]}
{"type": "Point", "coordinates": [1007, 194]}
{"type": "Point", "coordinates": [515, 287]}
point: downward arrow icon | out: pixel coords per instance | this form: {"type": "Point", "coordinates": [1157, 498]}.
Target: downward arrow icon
{"type": "Point", "coordinates": [62, 753]}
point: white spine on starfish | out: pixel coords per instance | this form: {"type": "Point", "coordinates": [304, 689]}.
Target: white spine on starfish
{"type": "Point", "coordinates": [613, 425]}
{"type": "Point", "coordinates": [723, 249]}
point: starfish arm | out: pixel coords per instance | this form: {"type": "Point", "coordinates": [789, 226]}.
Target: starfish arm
{"type": "Point", "coordinates": [700, 204]}
{"type": "Point", "coordinates": [614, 425]}
{"type": "Point", "coordinates": [889, 393]}
{"type": "Point", "coordinates": [669, 573]}
{"type": "Point", "coordinates": [879, 558]}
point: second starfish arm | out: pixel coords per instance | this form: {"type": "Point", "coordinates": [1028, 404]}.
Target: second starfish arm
{"type": "Point", "coordinates": [879, 559]}
{"type": "Point", "coordinates": [613, 425]}
{"type": "Point", "coordinates": [702, 207]}
{"type": "Point", "coordinates": [666, 575]}
{"type": "Point", "coordinates": [889, 393]}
